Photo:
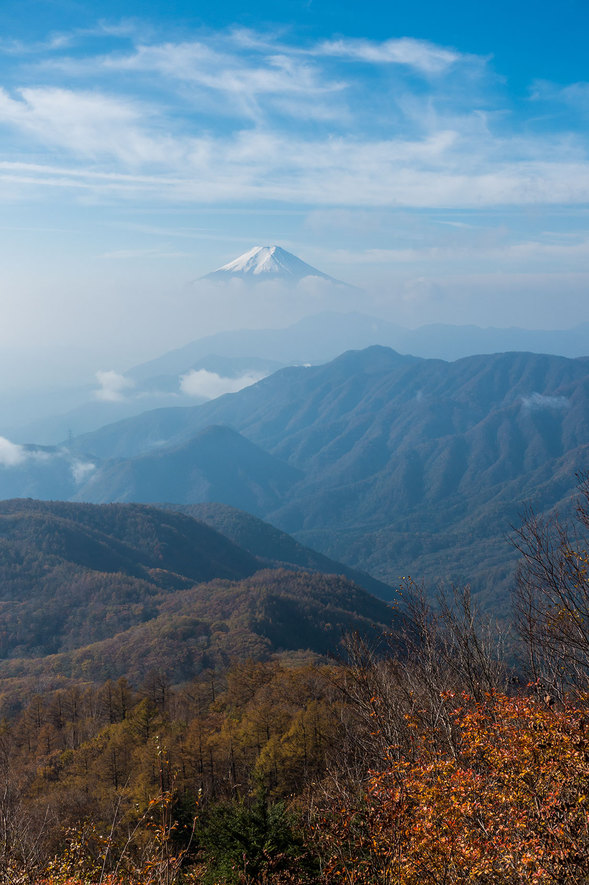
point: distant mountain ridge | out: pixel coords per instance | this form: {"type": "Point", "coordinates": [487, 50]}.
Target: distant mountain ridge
{"type": "Point", "coordinates": [393, 464]}
{"type": "Point", "coordinates": [158, 383]}
{"type": "Point", "coordinates": [324, 336]}
{"type": "Point", "coordinates": [370, 384]}
{"type": "Point", "coordinates": [408, 465]}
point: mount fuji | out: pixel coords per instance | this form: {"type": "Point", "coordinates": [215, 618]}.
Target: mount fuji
{"type": "Point", "coordinates": [268, 263]}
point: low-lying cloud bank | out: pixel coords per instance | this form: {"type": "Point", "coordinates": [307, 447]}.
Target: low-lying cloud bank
{"type": "Point", "coordinates": [81, 470]}
{"type": "Point", "coordinates": [209, 385]}
{"type": "Point", "coordinates": [117, 388]}
{"type": "Point", "coordinates": [113, 386]}
{"type": "Point", "coordinates": [541, 401]}
{"type": "Point", "coordinates": [13, 455]}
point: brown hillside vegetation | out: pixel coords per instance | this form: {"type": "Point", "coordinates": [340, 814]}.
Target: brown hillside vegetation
{"type": "Point", "coordinates": [418, 757]}
{"type": "Point", "coordinates": [99, 592]}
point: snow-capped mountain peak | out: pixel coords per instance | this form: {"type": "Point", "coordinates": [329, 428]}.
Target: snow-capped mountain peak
{"type": "Point", "coordinates": [268, 262]}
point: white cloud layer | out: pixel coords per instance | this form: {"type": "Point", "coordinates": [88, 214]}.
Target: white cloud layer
{"type": "Point", "coordinates": [91, 125]}
{"type": "Point", "coordinates": [209, 385]}
{"type": "Point", "coordinates": [14, 455]}
{"type": "Point", "coordinates": [113, 386]}
{"type": "Point", "coordinates": [81, 470]}
{"type": "Point", "coordinates": [541, 401]}
{"type": "Point", "coordinates": [11, 455]}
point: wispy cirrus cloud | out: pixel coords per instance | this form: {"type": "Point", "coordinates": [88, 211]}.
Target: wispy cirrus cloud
{"type": "Point", "coordinates": [574, 96]}
{"type": "Point", "coordinates": [423, 56]}
{"type": "Point", "coordinates": [92, 125]}
{"type": "Point", "coordinates": [218, 79]}
{"type": "Point", "coordinates": [236, 116]}
{"type": "Point", "coordinates": [55, 42]}
{"type": "Point", "coordinates": [478, 250]}
{"type": "Point", "coordinates": [265, 167]}
{"type": "Point", "coordinates": [278, 72]}
{"type": "Point", "coordinates": [126, 254]}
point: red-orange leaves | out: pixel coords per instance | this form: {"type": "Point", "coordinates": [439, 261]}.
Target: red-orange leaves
{"type": "Point", "coordinates": [508, 803]}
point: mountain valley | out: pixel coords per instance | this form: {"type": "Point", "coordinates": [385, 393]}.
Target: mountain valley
{"type": "Point", "coordinates": [392, 464]}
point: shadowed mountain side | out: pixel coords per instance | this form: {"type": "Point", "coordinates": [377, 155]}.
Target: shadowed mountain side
{"type": "Point", "coordinates": [275, 547]}
{"type": "Point", "coordinates": [457, 541]}
{"type": "Point", "coordinates": [71, 574]}
{"type": "Point", "coordinates": [217, 464]}
{"type": "Point", "coordinates": [213, 624]}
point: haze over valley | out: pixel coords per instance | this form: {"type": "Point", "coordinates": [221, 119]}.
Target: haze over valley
{"type": "Point", "coordinates": [231, 360]}
{"type": "Point", "coordinates": [392, 462]}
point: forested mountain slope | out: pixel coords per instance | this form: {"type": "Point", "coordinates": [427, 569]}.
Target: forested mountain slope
{"type": "Point", "coordinates": [74, 573]}
{"type": "Point", "coordinates": [299, 616]}
{"type": "Point", "coordinates": [406, 465]}
{"type": "Point", "coordinates": [93, 592]}
{"type": "Point", "coordinates": [216, 464]}
{"type": "Point", "coordinates": [299, 412]}
{"type": "Point", "coordinates": [273, 546]}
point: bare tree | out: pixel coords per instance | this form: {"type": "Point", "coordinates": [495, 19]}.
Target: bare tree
{"type": "Point", "coordinates": [552, 597]}
{"type": "Point", "coordinates": [390, 685]}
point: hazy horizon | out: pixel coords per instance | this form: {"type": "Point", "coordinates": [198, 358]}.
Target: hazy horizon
{"type": "Point", "coordinates": [435, 159]}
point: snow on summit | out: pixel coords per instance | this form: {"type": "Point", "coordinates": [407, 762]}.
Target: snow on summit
{"type": "Point", "coordinates": [268, 262]}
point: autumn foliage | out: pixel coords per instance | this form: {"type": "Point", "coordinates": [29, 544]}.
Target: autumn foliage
{"type": "Point", "coordinates": [423, 761]}
{"type": "Point", "coordinates": [495, 790]}
{"type": "Point", "coordinates": [505, 800]}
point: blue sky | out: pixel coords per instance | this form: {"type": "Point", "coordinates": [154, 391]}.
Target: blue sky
{"type": "Point", "coordinates": [433, 154]}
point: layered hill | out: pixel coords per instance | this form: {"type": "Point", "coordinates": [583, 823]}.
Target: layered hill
{"type": "Point", "coordinates": [91, 592]}
{"type": "Point", "coordinates": [216, 464]}
{"type": "Point", "coordinates": [392, 464]}
{"type": "Point", "coordinates": [324, 336]}
{"type": "Point", "coordinates": [407, 465]}
{"type": "Point", "coordinates": [293, 615]}
{"type": "Point", "coordinates": [275, 548]}
{"type": "Point", "coordinates": [74, 573]}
